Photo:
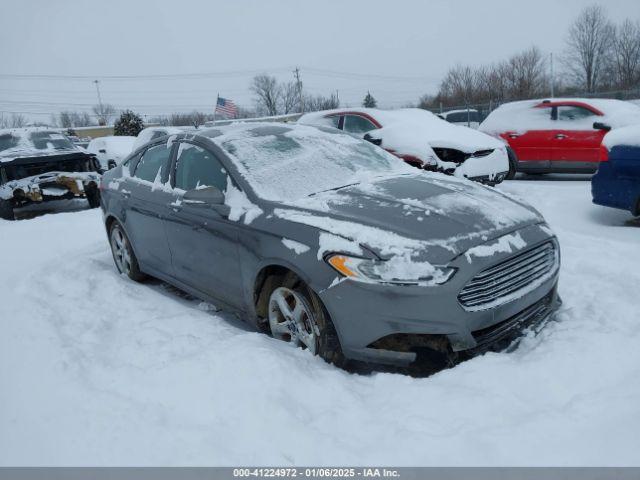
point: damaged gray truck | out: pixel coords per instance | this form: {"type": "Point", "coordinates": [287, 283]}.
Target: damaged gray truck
{"type": "Point", "coordinates": [39, 166]}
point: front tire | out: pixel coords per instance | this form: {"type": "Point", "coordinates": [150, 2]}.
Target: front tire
{"type": "Point", "coordinates": [295, 314]}
{"type": "Point", "coordinates": [6, 210]}
{"type": "Point", "coordinates": [93, 195]}
{"type": "Point", "coordinates": [123, 255]}
{"type": "Point", "coordinates": [513, 164]}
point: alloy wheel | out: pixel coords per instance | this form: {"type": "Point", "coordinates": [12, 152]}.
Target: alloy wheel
{"type": "Point", "coordinates": [291, 320]}
{"type": "Point", "coordinates": [120, 248]}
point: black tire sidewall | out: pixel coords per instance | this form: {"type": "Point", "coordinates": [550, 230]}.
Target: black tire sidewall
{"type": "Point", "coordinates": [513, 164]}
{"type": "Point", "coordinates": [6, 210]}
{"type": "Point", "coordinates": [134, 273]}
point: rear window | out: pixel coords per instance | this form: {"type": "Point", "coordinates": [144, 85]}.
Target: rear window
{"type": "Point", "coordinates": [50, 141]}
{"type": "Point", "coordinates": [459, 117]}
{"type": "Point", "coordinates": [8, 141]}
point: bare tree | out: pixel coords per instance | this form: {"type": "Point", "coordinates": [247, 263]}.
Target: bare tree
{"type": "Point", "coordinates": [69, 119]}
{"type": "Point", "coordinates": [104, 112]}
{"type": "Point", "coordinates": [588, 44]}
{"type": "Point", "coordinates": [268, 93]}
{"type": "Point", "coordinates": [626, 49]}
{"type": "Point", "coordinates": [320, 102]}
{"type": "Point", "coordinates": [290, 98]}
{"type": "Point", "coordinates": [16, 120]}
{"type": "Point", "coordinates": [525, 74]}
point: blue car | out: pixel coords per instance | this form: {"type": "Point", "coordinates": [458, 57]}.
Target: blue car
{"type": "Point", "coordinates": [617, 182]}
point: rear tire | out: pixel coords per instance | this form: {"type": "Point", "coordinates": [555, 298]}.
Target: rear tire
{"type": "Point", "coordinates": [312, 329]}
{"type": "Point", "coordinates": [513, 164]}
{"type": "Point", "coordinates": [123, 256]}
{"type": "Point", "coordinates": [6, 210]}
{"type": "Point", "coordinates": [93, 195]}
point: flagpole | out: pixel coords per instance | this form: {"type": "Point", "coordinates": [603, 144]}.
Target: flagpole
{"type": "Point", "coordinates": [215, 108]}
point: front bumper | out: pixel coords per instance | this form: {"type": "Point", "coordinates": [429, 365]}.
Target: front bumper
{"type": "Point", "coordinates": [49, 186]}
{"type": "Point", "coordinates": [491, 168]}
{"type": "Point", "coordinates": [373, 319]}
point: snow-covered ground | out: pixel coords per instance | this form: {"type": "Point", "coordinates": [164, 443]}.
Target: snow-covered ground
{"type": "Point", "coordinates": [96, 369]}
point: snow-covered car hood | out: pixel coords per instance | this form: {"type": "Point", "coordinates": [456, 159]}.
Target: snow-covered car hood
{"type": "Point", "coordinates": [445, 216]}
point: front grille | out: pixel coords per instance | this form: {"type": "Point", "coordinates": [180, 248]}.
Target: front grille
{"type": "Point", "coordinates": [514, 277]}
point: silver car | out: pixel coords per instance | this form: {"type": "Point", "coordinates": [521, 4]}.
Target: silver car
{"type": "Point", "coordinates": [328, 242]}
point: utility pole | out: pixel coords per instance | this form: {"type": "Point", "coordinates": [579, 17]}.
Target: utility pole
{"type": "Point", "coordinates": [97, 82]}
{"type": "Point", "coordinates": [551, 73]}
{"type": "Point", "coordinates": [296, 73]}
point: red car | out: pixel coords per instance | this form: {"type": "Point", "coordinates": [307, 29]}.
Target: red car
{"type": "Point", "coordinates": [558, 135]}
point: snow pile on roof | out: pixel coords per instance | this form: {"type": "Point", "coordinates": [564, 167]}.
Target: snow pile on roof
{"type": "Point", "coordinates": [523, 116]}
{"type": "Point", "coordinates": [629, 136]}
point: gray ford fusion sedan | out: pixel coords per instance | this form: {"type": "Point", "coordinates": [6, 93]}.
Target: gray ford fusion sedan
{"type": "Point", "coordinates": [331, 243]}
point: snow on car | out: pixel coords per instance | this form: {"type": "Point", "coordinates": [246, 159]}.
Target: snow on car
{"type": "Point", "coordinates": [39, 165]}
{"type": "Point", "coordinates": [561, 135]}
{"type": "Point", "coordinates": [423, 140]}
{"type": "Point", "coordinates": [111, 150]}
{"type": "Point", "coordinates": [151, 133]}
{"type": "Point", "coordinates": [467, 266]}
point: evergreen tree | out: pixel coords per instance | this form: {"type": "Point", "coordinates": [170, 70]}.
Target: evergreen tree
{"type": "Point", "coordinates": [369, 101]}
{"type": "Point", "coordinates": [129, 123]}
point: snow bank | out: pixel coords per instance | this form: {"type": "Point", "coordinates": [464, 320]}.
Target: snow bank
{"type": "Point", "coordinates": [98, 370]}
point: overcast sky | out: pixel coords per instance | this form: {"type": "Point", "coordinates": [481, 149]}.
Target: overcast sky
{"type": "Point", "coordinates": [396, 49]}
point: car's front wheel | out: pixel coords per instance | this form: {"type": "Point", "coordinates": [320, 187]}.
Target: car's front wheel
{"type": "Point", "coordinates": [6, 210]}
{"type": "Point", "coordinates": [296, 315]}
{"type": "Point", "coordinates": [123, 255]}
{"type": "Point", "coordinates": [513, 164]}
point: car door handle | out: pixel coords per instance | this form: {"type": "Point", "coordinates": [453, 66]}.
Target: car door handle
{"type": "Point", "coordinates": [514, 135]}
{"type": "Point", "coordinates": [560, 136]}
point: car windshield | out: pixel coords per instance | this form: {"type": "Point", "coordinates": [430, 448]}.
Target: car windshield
{"type": "Point", "coordinates": [283, 163]}
{"type": "Point", "coordinates": [50, 141]}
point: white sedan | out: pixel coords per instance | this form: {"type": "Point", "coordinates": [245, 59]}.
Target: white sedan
{"type": "Point", "coordinates": [422, 139]}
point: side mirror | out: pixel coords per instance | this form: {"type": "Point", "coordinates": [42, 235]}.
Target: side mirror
{"type": "Point", "coordinates": [601, 126]}
{"type": "Point", "coordinates": [375, 141]}
{"type": "Point", "coordinates": [204, 196]}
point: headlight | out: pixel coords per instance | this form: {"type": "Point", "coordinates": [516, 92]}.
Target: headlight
{"type": "Point", "coordinates": [400, 269]}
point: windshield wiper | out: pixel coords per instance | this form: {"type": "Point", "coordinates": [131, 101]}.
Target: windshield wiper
{"type": "Point", "coordinates": [334, 189]}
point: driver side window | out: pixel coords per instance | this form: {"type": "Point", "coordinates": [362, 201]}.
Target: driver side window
{"type": "Point", "coordinates": [357, 124]}
{"type": "Point", "coordinates": [570, 112]}
{"type": "Point", "coordinates": [197, 167]}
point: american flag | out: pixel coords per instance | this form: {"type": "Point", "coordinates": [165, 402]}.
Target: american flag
{"type": "Point", "coordinates": [226, 107]}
